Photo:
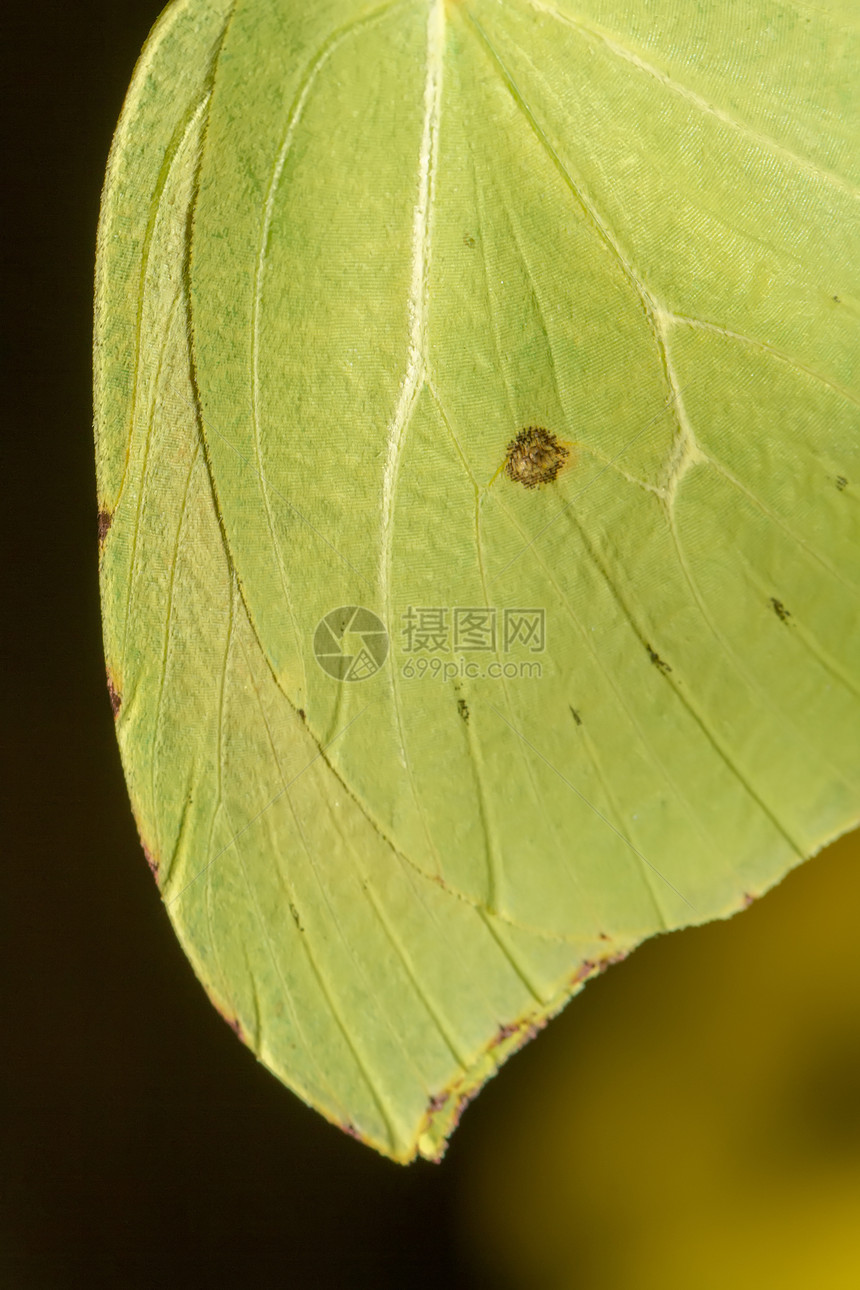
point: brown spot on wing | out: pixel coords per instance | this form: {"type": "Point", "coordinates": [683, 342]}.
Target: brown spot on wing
{"type": "Point", "coordinates": [658, 661]}
{"type": "Point", "coordinates": [535, 457]}
{"type": "Point", "coordinates": [115, 696]}
{"type": "Point", "coordinates": [151, 861]}
{"type": "Point", "coordinates": [505, 1032]}
{"type": "Point", "coordinates": [351, 1131]}
{"type": "Point", "coordinates": [105, 521]}
{"type": "Point", "coordinates": [236, 1026]}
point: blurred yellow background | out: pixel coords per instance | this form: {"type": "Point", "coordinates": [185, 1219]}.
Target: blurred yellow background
{"type": "Point", "coordinates": [692, 1121]}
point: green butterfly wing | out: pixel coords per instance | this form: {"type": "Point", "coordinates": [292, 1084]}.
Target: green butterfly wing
{"type": "Point", "coordinates": [349, 256]}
